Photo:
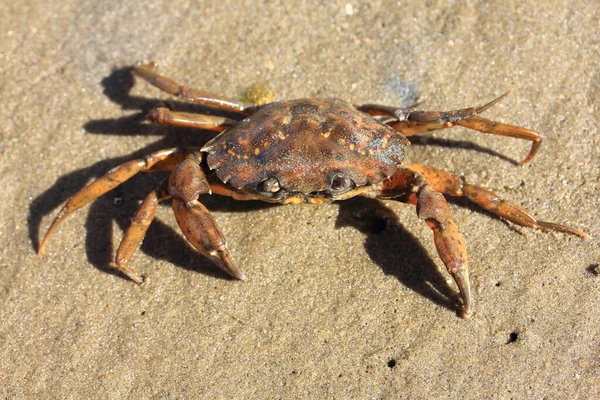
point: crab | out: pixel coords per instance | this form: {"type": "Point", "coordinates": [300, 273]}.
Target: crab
{"type": "Point", "coordinates": [303, 151]}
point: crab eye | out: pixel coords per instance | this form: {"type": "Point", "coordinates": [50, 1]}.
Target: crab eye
{"type": "Point", "coordinates": [270, 185]}
{"type": "Point", "coordinates": [340, 183]}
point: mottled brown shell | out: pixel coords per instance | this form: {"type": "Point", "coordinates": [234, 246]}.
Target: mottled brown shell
{"type": "Point", "coordinates": [305, 144]}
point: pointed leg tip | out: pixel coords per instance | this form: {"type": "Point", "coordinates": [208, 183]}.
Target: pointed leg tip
{"type": "Point", "coordinates": [582, 234]}
{"type": "Point", "coordinates": [225, 262]}
{"type": "Point", "coordinates": [551, 226]}
{"type": "Point", "coordinates": [49, 232]}
{"type": "Point", "coordinates": [129, 272]}
{"type": "Point", "coordinates": [146, 64]}
{"type": "Point", "coordinates": [236, 273]}
{"type": "Point", "coordinates": [466, 312]}
{"type": "Point", "coordinates": [233, 271]}
{"type": "Point", "coordinates": [42, 247]}
{"type": "Point", "coordinates": [530, 156]}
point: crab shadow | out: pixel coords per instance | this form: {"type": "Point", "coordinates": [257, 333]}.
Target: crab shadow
{"type": "Point", "coordinates": [458, 144]}
{"type": "Point", "coordinates": [395, 250]}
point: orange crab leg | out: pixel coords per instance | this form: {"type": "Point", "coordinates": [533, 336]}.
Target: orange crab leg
{"type": "Point", "coordinates": [198, 226]}
{"type": "Point", "coordinates": [164, 116]}
{"type": "Point", "coordinates": [497, 128]}
{"type": "Point", "coordinates": [406, 185]}
{"type": "Point", "coordinates": [448, 183]}
{"type": "Point", "coordinates": [163, 160]}
{"type": "Point", "coordinates": [201, 230]}
{"type": "Point", "coordinates": [409, 122]}
{"type": "Point", "coordinates": [186, 183]}
{"type": "Point", "coordinates": [148, 72]}
{"type": "Point", "coordinates": [137, 230]}
{"type": "Point", "coordinates": [439, 117]}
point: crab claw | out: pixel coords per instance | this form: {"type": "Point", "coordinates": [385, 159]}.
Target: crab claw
{"type": "Point", "coordinates": [461, 277]}
{"type": "Point", "coordinates": [225, 262]}
{"type": "Point", "coordinates": [202, 232]}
